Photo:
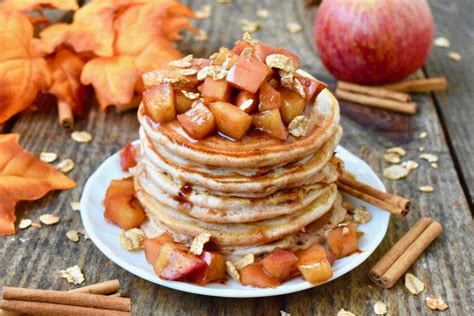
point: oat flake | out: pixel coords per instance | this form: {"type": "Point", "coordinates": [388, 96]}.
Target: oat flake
{"type": "Point", "coordinates": [263, 13]}
{"type": "Point", "coordinates": [49, 219]}
{"type": "Point", "coordinates": [48, 157]}
{"type": "Point", "coordinates": [441, 41]}
{"type": "Point", "coordinates": [283, 313]}
{"type": "Point", "coordinates": [232, 271]}
{"type": "Point", "coordinates": [454, 56]}
{"type": "Point", "coordinates": [244, 261]}
{"type": "Point", "coordinates": [25, 223]}
{"type": "Point", "coordinates": [81, 137]}
{"type": "Point", "coordinates": [361, 215]}
{"type": "Point", "coordinates": [410, 164]}
{"type": "Point", "coordinates": [434, 165]}
{"type": "Point", "coordinates": [429, 157]}
{"type": "Point", "coordinates": [413, 284]}
{"type": "Point", "coordinates": [76, 206]}
{"type": "Point", "coordinates": [72, 275]}
{"type": "Point", "coordinates": [426, 188]}
{"type": "Point", "coordinates": [201, 36]}
{"type": "Point", "coordinates": [298, 127]}
{"type": "Point", "coordinates": [421, 149]}
{"type": "Point", "coordinates": [216, 72]}
{"type": "Point", "coordinates": [190, 95]}
{"type": "Point", "coordinates": [392, 158]}
{"type": "Point", "coordinates": [250, 26]}
{"type": "Point", "coordinates": [280, 61]}
{"type": "Point", "coordinates": [204, 13]}
{"type": "Point", "coordinates": [73, 235]}
{"type": "Point", "coordinates": [397, 150]}
{"type": "Point", "coordinates": [435, 302]}
{"type": "Point", "coordinates": [198, 243]}
{"type": "Point", "coordinates": [294, 27]}
{"type": "Point", "coordinates": [343, 312]}
{"type": "Point", "coordinates": [66, 165]}
{"type": "Point", "coordinates": [132, 239]}
{"type": "Point", "coordinates": [380, 308]}
{"type": "Point", "coordinates": [423, 135]}
{"type": "Point", "coordinates": [36, 225]}
{"type": "Point", "coordinates": [395, 172]}
{"type": "Point", "coordinates": [184, 62]}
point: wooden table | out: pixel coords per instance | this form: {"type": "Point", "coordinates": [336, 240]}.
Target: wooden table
{"type": "Point", "coordinates": [33, 257]}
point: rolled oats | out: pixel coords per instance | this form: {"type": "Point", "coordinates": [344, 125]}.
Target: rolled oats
{"type": "Point", "coordinates": [263, 13]}
{"type": "Point", "coordinates": [380, 308]}
{"type": "Point", "coordinates": [201, 36]}
{"type": "Point", "coordinates": [197, 246]}
{"type": "Point", "coordinates": [72, 275]}
{"type": "Point", "coordinates": [454, 56]}
{"type": "Point", "coordinates": [204, 13]}
{"type": "Point", "coordinates": [184, 62]}
{"type": "Point", "coordinates": [413, 284]}
{"type": "Point", "coordinates": [441, 41]}
{"type": "Point", "coordinates": [343, 312]}
{"type": "Point", "coordinates": [232, 271]}
{"type": "Point", "coordinates": [435, 302]}
{"type": "Point", "coordinates": [73, 235]}
{"type": "Point", "coordinates": [395, 172]}
{"type": "Point", "coordinates": [244, 261]}
{"type": "Point", "coordinates": [426, 188]}
{"type": "Point", "coordinates": [250, 26]}
{"type": "Point", "coordinates": [298, 127]}
{"type": "Point", "coordinates": [48, 157]}
{"type": "Point", "coordinates": [25, 223]}
{"type": "Point", "coordinates": [397, 150]}
{"type": "Point", "coordinates": [132, 239]}
{"type": "Point", "coordinates": [49, 219]}
{"type": "Point", "coordinates": [294, 27]}
{"type": "Point", "coordinates": [361, 215]}
{"type": "Point", "coordinates": [410, 164]}
{"type": "Point", "coordinates": [392, 158]}
{"type": "Point", "coordinates": [280, 61]}
{"type": "Point", "coordinates": [76, 206]}
{"type": "Point", "coordinates": [81, 137]}
{"type": "Point", "coordinates": [429, 157]}
{"type": "Point", "coordinates": [65, 165]}
{"type": "Point", "coordinates": [215, 72]}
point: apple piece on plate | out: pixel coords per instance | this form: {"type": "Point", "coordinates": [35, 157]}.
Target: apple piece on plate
{"type": "Point", "coordinates": [183, 103]}
{"type": "Point", "coordinates": [225, 56]}
{"type": "Point", "coordinates": [343, 240]}
{"type": "Point", "coordinates": [215, 270]}
{"type": "Point", "coordinates": [215, 90]}
{"type": "Point", "coordinates": [127, 157]}
{"type": "Point", "coordinates": [292, 105]}
{"type": "Point", "coordinates": [240, 46]}
{"type": "Point", "coordinates": [159, 103]}
{"type": "Point", "coordinates": [230, 120]}
{"type": "Point", "coordinates": [248, 74]}
{"type": "Point", "coordinates": [247, 102]}
{"type": "Point", "coordinates": [153, 247]}
{"type": "Point", "coordinates": [121, 206]}
{"type": "Point", "coordinates": [314, 264]}
{"type": "Point", "coordinates": [269, 97]}
{"type": "Point", "coordinates": [198, 121]}
{"type": "Point", "coordinates": [262, 50]}
{"type": "Point", "coordinates": [279, 264]}
{"type": "Point", "coordinates": [174, 263]}
{"type": "Point", "coordinates": [254, 275]}
{"type": "Point", "coordinates": [270, 122]}
{"type": "Point", "coordinates": [180, 81]}
{"type": "Point", "coordinates": [312, 87]}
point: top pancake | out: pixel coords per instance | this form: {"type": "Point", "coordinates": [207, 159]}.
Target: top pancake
{"type": "Point", "coordinates": [254, 150]}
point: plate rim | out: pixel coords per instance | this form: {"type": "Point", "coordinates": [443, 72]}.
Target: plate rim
{"type": "Point", "coordinates": [204, 290]}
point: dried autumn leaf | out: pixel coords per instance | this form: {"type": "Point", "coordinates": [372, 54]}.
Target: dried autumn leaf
{"type": "Point", "coordinates": [23, 71]}
{"type": "Point", "coordinates": [30, 5]}
{"type": "Point", "coordinates": [24, 177]}
{"type": "Point", "coordinates": [66, 68]}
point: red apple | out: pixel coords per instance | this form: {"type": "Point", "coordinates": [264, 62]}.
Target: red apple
{"type": "Point", "coordinates": [373, 42]}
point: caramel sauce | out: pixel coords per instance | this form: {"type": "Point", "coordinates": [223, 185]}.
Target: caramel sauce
{"type": "Point", "coordinates": [183, 194]}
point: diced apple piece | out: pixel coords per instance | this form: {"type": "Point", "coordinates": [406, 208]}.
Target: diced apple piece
{"type": "Point", "coordinates": [230, 120]}
{"type": "Point", "coordinates": [279, 264]}
{"type": "Point", "coordinates": [343, 240]}
{"type": "Point", "coordinates": [127, 157]}
{"type": "Point", "coordinates": [274, 81]}
{"type": "Point", "coordinates": [270, 122]}
{"type": "Point", "coordinates": [198, 121]}
{"type": "Point", "coordinates": [174, 263]}
{"type": "Point", "coordinates": [225, 56]}
{"type": "Point", "coordinates": [292, 105]}
{"type": "Point", "coordinates": [314, 264]}
{"type": "Point", "coordinates": [183, 103]}
{"type": "Point", "coordinates": [215, 90]}
{"type": "Point", "coordinates": [254, 275]}
{"type": "Point", "coordinates": [269, 98]}
{"type": "Point", "coordinates": [153, 246]}
{"type": "Point", "coordinates": [159, 103]}
{"type": "Point", "coordinates": [331, 257]}
{"type": "Point", "coordinates": [215, 270]}
{"type": "Point", "coordinates": [155, 77]}
{"type": "Point", "coordinates": [262, 50]}
{"type": "Point", "coordinates": [240, 46]}
{"type": "Point", "coordinates": [121, 206]}
{"type": "Point", "coordinates": [242, 100]}
{"type": "Point", "coordinates": [199, 63]}
{"type": "Point", "coordinates": [312, 87]}
{"type": "Point", "coordinates": [248, 74]}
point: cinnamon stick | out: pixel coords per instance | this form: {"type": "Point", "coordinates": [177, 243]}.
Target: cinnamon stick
{"type": "Point", "coordinates": [107, 287]}
{"type": "Point", "coordinates": [374, 91]}
{"type": "Point", "coordinates": [65, 116]}
{"type": "Point", "coordinates": [393, 209]}
{"type": "Point", "coordinates": [66, 298]}
{"type": "Point", "coordinates": [49, 309]}
{"type": "Point", "coordinates": [351, 181]}
{"type": "Point", "coordinates": [418, 85]}
{"type": "Point", "coordinates": [401, 265]}
{"type": "Point", "coordinates": [377, 102]}
{"type": "Point", "coordinates": [377, 272]}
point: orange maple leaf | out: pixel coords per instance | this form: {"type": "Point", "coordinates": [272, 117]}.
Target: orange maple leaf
{"type": "Point", "coordinates": [23, 177]}
{"type": "Point", "coordinates": [23, 71]}
{"type": "Point", "coordinates": [29, 5]}
{"type": "Point", "coordinates": [66, 68]}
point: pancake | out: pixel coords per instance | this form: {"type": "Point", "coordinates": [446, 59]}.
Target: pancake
{"type": "Point", "coordinates": [240, 234]}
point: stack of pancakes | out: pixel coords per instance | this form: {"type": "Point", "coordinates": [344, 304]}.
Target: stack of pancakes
{"type": "Point", "coordinates": [251, 195]}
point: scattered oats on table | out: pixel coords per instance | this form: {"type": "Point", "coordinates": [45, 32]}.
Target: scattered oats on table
{"type": "Point", "coordinates": [204, 13]}
{"type": "Point", "coordinates": [49, 219]}
{"type": "Point", "coordinates": [343, 312]}
{"type": "Point", "coordinates": [294, 27]}
{"type": "Point", "coordinates": [232, 271]}
{"type": "Point", "coordinates": [132, 239]}
{"type": "Point", "coordinates": [413, 284]}
{"type": "Point", "coordinates": [65, 165]}
{"type": "Point", "coordinates": [25, 223]}
{"type": "Point", "coordinates": [72, 275]}
{"type": "Point", "coordinates": [263, 13]}
{"type": "Point", "coordinates": [429, 157]}
{"type": "Point", "coordinates": [36, 225]}
{"type": "Point", "coordinates": [250, 26]}
{"type": "Point", "coordinates": [410, 164]}
{"type": "Point", "coordinates": [81, 137]}
{"type": "Point", "coordinates": [380, 308]}
{"type": "Point", "coordinates": [76, 206]}
{"type": "Point", "coordinates": [441, 41]}
{"type": "Point", "coordinates": [73, 235]}
{"type": "Point", "coordinates": [454, 56]}
{"type": "Point", "coordinates": [423, 135]}
{"type": "Point", "coordinates": [201, 36]}
{"type": "Point", "coordinates": [197, 246]}
{"type": "Point", "coordinates": [435, 302]}
{"type": "Point", "coordinates": [283, 313]}
{"type": "Point", "coordinates": [395, 172]}
{"type": "Point", "coordinates": [392, 157]}
{"type": "Point", "coordinates": [434, 165]}
{"type": "Point", "coordinates": [48, 157]}
{"type": "Point", "coordinates": [421, 149]}
{"type": "Point", "coordinates": [244, 261]}
{"type": "Point", "coordinates": [426, 188]}
{"type": "Point", "coordinates": [397, 150]}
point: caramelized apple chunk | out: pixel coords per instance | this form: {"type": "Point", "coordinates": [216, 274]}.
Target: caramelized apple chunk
{"type": "Point", "coordinates": [225, 57]}
{"type": "Point", "coordinates": [248, 74]}
{"type": "Point", "coordinates": [262, 50]}
{"type": "Point", "coordinates": [312, 87]}
{"type": "Point", "coordinates": [159, 103]}
{"type": "Point", "coordinates": [127, 157]}
{"type": "Point", "coordinates": [215, 90]}
{"type": "Point", "coordinates": [215, 270]}
{"type": "Point", "coordinates": [183, 103]}
{"type": "Point", "coordinates": [271, 123]}
{"type": "Point", "coordinates": [230, 120]}
{"type": "Point", "coordinates": [279, 264]}
{"type": "Point", "coordinates": [198, 121]}
{"type": "Point", "coordinates": [314, 264]}
{"type": "Point", "coordinates": [174, 263]}
{"type": "Point", "coordinates": [292, 105]}
{"type": "Point", "coordinates": [153, 247]}
{"type": "Point", "coordinates": [121, 206]}
{"type": "Point", "coordinates": [247, 102]}
{"type": "Point", "coordinates": [269, 97]}
{"type": "Point", "coordinates": [343, 240]}
{"type": "Point", "coordinates": [254, 275]}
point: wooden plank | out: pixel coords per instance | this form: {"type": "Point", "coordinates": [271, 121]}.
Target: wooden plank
{"type": "Point", "coordinates": [33, 257]}
{"type": "Point", "coordinates": [455, 22]}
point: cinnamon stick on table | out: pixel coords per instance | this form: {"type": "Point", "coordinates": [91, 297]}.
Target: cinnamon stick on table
{"type": "Point", "coordinates": [405, 252]}
{"type": "Point", "coordinates": [107, 287]}
{"type": "Point", "coordinates": [65, 116]}
{"type": "Point", "coordinates": [374, 91]}
{"type": "Point", "coordinates": [418, 85]}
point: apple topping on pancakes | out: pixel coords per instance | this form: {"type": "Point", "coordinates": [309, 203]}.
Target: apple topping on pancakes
{"type": "Point", "coordinates": [236, 159]}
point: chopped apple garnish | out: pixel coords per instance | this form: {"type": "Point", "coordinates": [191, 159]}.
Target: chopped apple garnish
{"type": "Point", "coordinates": [262, 50]}
{"type": "Point", "coordinates": [215, 90]}
{"type": "Point", "coordinates": [254, 275]}
{"type": "Point", "coordinates": [159, 103]}
{"type": "Point", "coordinates": [240, 46]}
{"type": "Point", "coordinates": [269, 98]}
{"type": "Point", "coordinates": [292, 105]}
{"type": "Point", "coordinates": [183, 103]}
{"type": "Point", "coordinates": [198, 121]}
{"type": "Point", "coordinates": [343, 240]}
{"type": "Point", "coordinates": [215, 270]}
{"type": "Point", "coordinates": [174, 263]}
{"type": "Point", "coordinates": [279, 264]}
{"type": "Point", "coordinates": [247, 102]}
{"type": "Point", "coordinates": [225, 57]}
{"type": "Point", "coordinates": [121, 206]}
{"type": "Point", "coordinates": [248, 74]}
{"type": "Point", "coordinates": [312, 87]}
{"type": "Point", "coordinates": [271, 123]}
{"type": "Point", "coordinates": [230, 120]}
{"type": "Point", "coordinates": [173, 76]}
{"type": "Point", "coordinates": [153, 247]}
{"type": "Point", "coordinates": [127, 157]}
{"type": "Point", "coordinates": [199, 63]}
{"type": "Point", "coordinates": [314, 264]}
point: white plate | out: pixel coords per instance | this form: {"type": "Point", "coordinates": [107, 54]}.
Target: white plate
{"type": "Point", "coordinates": [105, 235]}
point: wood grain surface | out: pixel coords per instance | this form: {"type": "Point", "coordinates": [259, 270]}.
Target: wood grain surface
{"type": "Point", "coordinates": [33, 257]}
